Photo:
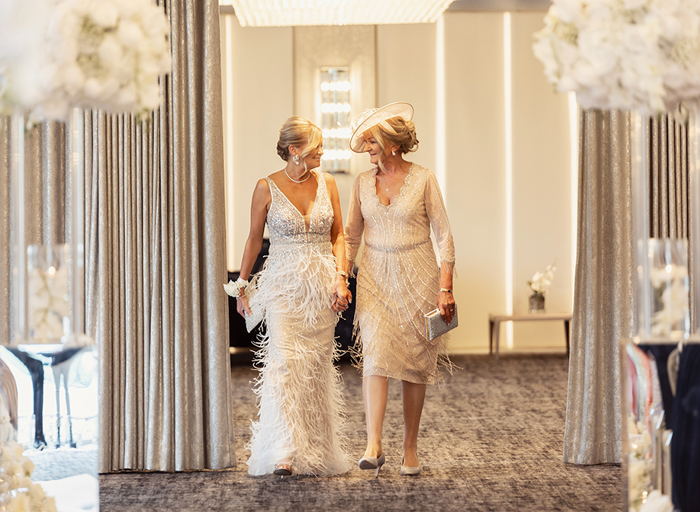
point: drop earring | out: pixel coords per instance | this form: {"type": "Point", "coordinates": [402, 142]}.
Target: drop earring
{"type": "Point", "coordinates": [393, 153]}
{"type": "Point", "coordinates": [295, 158]}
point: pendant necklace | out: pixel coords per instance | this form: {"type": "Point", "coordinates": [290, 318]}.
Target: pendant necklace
{"type": "Point", "coordinates": [387, 186]}
{"type": "Point", "coordinates": [308, 175]}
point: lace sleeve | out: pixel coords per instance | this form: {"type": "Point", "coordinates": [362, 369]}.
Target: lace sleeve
{"type": "Point", "coordinates": [437, 214]}
{"type": "Point", "coordinates": [355, 224]}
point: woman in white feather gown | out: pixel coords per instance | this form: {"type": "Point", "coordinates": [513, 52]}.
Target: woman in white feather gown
{"type": "Point", "coordinates": [298, 295]}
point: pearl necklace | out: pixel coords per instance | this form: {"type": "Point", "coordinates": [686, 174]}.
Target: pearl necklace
{"type": "Point", "coordinates": [308, 175]}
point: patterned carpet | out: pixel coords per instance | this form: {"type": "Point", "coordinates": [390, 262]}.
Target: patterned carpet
{"type": "Point", "coordinates": [491, 440]}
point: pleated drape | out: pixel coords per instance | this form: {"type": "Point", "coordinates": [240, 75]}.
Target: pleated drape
{"type": "Point", "coordinates": [605, 287]}
{"type": "Point", "coordinates": [668, 178]}
{"type": "Point", "coordinates": [154, 257]}
{"type": "Point", "coordinates": [669, 186]}
{"type": "Point", "coordinates": [156, 263]}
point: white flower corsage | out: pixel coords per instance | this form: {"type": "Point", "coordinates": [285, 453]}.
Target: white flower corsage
{"type": "Point", "coordinates": [236, 289]}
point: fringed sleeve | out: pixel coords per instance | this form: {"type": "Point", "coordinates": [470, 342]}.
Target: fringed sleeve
{"type": "Point", "coordinates": [355, 225]}
{"type": "Point", "coordinates": [437, 214]}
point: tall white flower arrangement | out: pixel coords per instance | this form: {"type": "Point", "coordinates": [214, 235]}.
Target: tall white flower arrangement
{"type": "Point", "coordinates": [102, 54]}
{"type": "Point", "coordinates": [623, 54]}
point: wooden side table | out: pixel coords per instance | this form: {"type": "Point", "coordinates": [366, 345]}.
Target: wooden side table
{"type": "Point", "coordinates": [495, 325]}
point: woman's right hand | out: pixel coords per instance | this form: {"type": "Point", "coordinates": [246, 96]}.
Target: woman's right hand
{"type": "Point", "coordinates": [242, 306]}
{"type": "Point", "coordinates": [341, 296]}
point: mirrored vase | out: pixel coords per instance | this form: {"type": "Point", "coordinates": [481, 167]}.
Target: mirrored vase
{"type": "Point", "coordinates": [49, 361]}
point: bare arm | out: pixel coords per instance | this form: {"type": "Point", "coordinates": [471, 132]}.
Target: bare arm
{"type": "Point", "coordinates": [258, 214]}
{"type": "Point", "coordinates": [341, 293]}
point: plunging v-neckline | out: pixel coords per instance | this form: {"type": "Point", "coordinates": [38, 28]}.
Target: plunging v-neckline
{"type": "Point", "coordinates": [313, 206]}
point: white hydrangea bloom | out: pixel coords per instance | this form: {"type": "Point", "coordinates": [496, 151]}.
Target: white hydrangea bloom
{"type": "Point", "coordinates": [101, 54]}
{"type": "Point", "coordinates": [623, 54]}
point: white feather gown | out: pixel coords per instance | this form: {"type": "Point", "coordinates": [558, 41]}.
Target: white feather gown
{"type": "Point", "coordinates": [300, 401]}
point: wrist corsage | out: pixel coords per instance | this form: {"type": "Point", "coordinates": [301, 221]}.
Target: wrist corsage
{"type": "Point", "coordinates": [237, 289]}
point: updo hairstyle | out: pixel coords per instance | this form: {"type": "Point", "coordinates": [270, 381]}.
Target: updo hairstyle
{"type": "Point", "coordinates": [300, 133]}
{"type": "Point", "coordinates": [404, 136]}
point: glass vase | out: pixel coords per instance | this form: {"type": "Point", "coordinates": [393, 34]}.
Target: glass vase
{"type": "Point", "coordinates": [50, 360]}
{"type": "Point", "coordinates": [536, 303]}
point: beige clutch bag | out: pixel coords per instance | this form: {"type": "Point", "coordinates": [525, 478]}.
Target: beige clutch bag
{"type": "Point", "coordinates": [435, 326]}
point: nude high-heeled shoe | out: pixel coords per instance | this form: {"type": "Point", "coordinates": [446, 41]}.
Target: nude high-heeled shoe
{"type": "Point", "coordinates": [409, 471]}
{"type": "Point", "coordinates": [372, 463]}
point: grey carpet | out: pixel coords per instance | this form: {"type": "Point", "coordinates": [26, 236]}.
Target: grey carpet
{"type": "Point", "coordinates": [491, 440]}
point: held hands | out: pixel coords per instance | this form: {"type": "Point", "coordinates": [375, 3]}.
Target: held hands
{"type": "Point", "coordinates": [341, 295]}
{"type": "Point", "coordinates": [446, 305]}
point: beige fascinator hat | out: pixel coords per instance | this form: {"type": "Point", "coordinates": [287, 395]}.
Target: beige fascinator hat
{"type": "Point", "coordinates": [373, 116]}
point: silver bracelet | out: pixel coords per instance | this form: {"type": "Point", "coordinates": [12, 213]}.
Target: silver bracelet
{"type": "Point", "coordinates": [448, 290]}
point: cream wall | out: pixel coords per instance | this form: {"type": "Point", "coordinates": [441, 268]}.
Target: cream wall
{"type": "Point", "coordinates": [468, 78]}
{"type": "Point", "coordinates": [258, 76]}
{"type": "Point", "coordinates": [475, 169]}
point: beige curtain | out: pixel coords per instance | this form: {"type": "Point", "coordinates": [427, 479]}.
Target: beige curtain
{"type": "Point", "coordinates": [605, 288]}
{"type": "Point", "coordinates": [155, 258]}
{"type": "Point", "coordinates": [156, 264]}
{"type": "Point", "coordinates": [6, 207]}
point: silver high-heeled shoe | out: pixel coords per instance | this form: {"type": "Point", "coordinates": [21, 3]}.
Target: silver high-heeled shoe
{"type": "Point", "coordinates": [372, 463]}
{"type": "Point", "coordinates": [409, 471]}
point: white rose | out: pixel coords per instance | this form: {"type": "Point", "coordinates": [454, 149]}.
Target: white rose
{"type": "Point", "coordinates": [155, 22]}
{"type": "Point", "coordinates": [110, 51]}
{"type": "Point", "coordinates": [130, 34]}
{"type": "Point", "coordinates": [570, 11]}
{"type": "Point", "coordinates": [104, 13]}
{"type": "Point", "coordinates": [93, 88]}
{"type": "Point", "coordinates": [126, 98]}
{"type": "Point", "coordinates": [634, 4]}
{"type": "Point", "coordinates": [54, 107]}
{"type": "Point", "coordinates": [73, 78]}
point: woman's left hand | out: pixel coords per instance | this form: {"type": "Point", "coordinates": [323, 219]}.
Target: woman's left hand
{"type": "Point", "coordinates": [446, 305]}
{"type": "Point", "coordinates": [341, 296]}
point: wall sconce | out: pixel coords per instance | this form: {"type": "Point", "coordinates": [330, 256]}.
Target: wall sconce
{"type": "Point", "coordinates": [335, 118]}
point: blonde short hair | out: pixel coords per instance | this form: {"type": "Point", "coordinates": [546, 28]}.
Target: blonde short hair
{"type": "Point", "coordinates": [300, 133]}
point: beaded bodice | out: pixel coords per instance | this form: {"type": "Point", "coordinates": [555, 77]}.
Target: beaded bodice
{"type": "Point", "coordinates": [286, 224]}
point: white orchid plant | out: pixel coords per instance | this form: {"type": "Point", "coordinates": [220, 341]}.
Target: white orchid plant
{"type": "Point", "coordinates": [102, 54]}
{"type": "Point", "coordinates": [17, 491]}
{"type": "Point", "coordinates": [542, 281]}
{"type": "Point", "coordinates": [671, 301]}
{"type": "Point", "coordinates": [639, 55]}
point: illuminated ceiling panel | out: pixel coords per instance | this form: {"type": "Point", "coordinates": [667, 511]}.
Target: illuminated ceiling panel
{"type": "Point", "coordinates": [278, 13]}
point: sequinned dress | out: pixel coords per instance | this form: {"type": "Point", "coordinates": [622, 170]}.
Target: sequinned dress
{"type": "Point", "coordinates": [298, 389]}
{"type": "Point", "coordinates": [399, 278]}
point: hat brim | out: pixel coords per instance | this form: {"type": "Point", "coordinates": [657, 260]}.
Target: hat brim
{"type": "Point", "coordinates": [396, 109]}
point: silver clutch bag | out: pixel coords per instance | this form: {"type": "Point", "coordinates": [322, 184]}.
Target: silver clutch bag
{"type": "Point", "coordinates": [435, 326]}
